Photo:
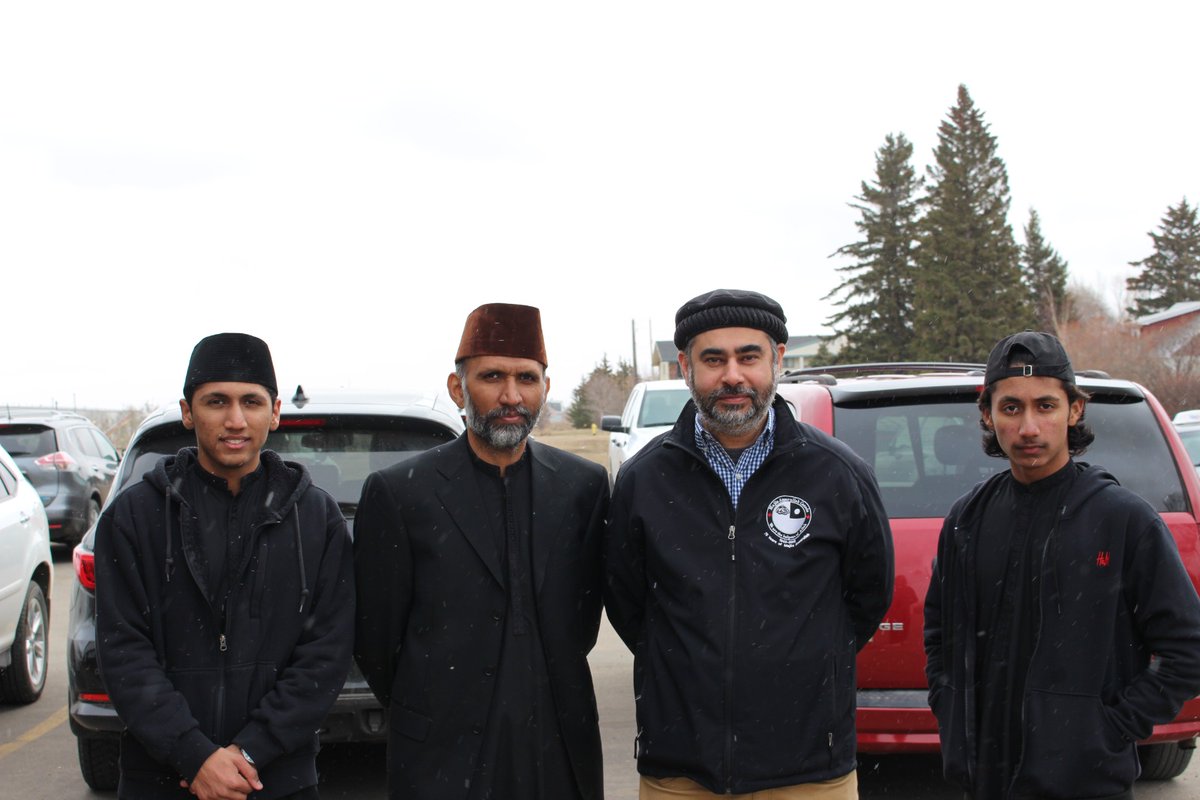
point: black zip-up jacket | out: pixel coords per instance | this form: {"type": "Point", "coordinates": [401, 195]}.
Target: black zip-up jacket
{"type": "Point", "coordinates": [745, 626]}
{"type": "Point", "coordinates": [186, 680]}
{"type": "Point", "coordinates": [1112, 590]}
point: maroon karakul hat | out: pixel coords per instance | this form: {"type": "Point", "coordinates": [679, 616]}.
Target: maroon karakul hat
{"type": "Point", "coordinates": [502, 329]}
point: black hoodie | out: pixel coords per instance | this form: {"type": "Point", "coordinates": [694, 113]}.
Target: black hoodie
{"type": "Point", "coordinates": [186, 680]}
{"type": "Point", "coordinates": [1112, 591]}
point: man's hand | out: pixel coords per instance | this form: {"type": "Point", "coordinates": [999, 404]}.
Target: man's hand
{"type": "Point", "coordinates": [225, 775]}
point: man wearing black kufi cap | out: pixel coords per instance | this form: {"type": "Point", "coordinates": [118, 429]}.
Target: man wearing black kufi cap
{"type": "Point", "coordinates": [1052, 587]}
{"type": "Point", "coordinates": [225, 599]}
{"type": "Point", "coordinates": [749, 558]}
{"type": "Point", "coordinates": [478, 575]}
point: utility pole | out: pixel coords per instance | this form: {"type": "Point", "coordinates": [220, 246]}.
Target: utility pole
{"type": "Point", "coordinates": [633, 333]}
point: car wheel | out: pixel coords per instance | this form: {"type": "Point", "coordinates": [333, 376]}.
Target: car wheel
{"type": "Point", "coordinates": [24, 678]}
{"type": "Point", "coordinates": [99, 761]}
{"type": "Point", "coordinates": [1162, 762]}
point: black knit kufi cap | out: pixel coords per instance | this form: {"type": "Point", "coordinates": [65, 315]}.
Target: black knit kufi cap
{"type": "Point", "coordinates": [729, 308]}
{"type": "Point", "coordinates": [1041, 354]}
{"type": "Point", "coordinates": [237, 357]}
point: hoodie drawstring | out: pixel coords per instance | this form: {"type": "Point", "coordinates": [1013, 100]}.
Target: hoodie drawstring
{"type": "Point", "coordinates": [300, 558]}
{"type": "Point", "coordinates": [170, 562]}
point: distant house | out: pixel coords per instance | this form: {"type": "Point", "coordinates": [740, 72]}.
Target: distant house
{"type": "Point", "coordinates": [1174, 333]}
{"type": "Point", "coordinates": [800, 351]}
{"type": "Point", "coordinates": [665, 361]}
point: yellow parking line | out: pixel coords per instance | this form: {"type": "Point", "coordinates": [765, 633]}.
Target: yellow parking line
{"type": "Point", "coordinates": [35, 733]}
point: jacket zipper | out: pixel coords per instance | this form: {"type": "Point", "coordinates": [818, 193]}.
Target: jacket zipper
{"type": "Point", "coordinates": [1037, 640]}
{"type": "Point", "coordinates": [222, 649]}
{"type": "Point", "coordinates": [732, 632]}
{"type": "Point", "coordinates": [732, 626]}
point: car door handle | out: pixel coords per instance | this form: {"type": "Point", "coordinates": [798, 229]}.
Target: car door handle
{"type": "Point", "coordinates": [24, 518]}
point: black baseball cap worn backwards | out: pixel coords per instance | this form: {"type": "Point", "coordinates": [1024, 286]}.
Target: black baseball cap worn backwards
{"type": "Point", "coordinates": [1043, 354]}
{"type": "Point", "coordinates": [237, 357]}
{"type": "Point", "coordinates": [729, 308]}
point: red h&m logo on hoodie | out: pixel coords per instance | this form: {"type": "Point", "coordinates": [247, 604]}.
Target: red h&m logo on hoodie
{"type": "Point", "coordinates": [1102, 558]}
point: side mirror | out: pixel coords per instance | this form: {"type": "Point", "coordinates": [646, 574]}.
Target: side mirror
{"type": "Point", "coordinates": [612, 422]}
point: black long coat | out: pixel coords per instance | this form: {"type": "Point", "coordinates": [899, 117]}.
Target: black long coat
{"type": "Point", "coordinates": [432, 602]}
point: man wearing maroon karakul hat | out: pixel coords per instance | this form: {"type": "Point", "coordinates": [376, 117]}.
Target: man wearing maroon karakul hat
{"type": "Point", "coordinates": [479, 584]}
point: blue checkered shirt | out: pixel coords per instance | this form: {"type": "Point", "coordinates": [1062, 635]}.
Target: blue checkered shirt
{"type": "Point", "coordinates": [734, 476]}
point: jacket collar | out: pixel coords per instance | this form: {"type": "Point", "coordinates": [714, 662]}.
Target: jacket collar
{"type": "Point", "coordinates": [286, 481]}
{"type": "Point", "coordinates": [460, 497]}
{"type": "Point", "coordinates": [788, 432]}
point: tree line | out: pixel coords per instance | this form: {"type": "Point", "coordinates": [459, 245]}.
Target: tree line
{"type": "Point", "coordinates": [938, 275]}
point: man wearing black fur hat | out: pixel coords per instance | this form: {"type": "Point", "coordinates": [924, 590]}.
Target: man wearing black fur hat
{"type": "Point", "coordinates": [749, 559]}
{"type": "Point", "coordinates": [1052, 588]}
{"type": "Point", "coordinates": [225, 599]}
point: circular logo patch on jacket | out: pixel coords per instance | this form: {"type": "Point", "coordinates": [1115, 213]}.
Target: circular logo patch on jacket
{"type": "Point", "coordinates": [788, 518]}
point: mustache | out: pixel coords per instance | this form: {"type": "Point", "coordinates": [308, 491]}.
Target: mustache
{"type": "Point", "coordinates": [733, 391]}
{"type": "Point", "coordinates": [506, 411]}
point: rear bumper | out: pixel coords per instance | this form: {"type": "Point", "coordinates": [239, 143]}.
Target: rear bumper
{"type": "Point", "coordinates": [900, 722]}
{"type": "Point", "coordinates": [356, 716]}
{"type": "Point", "coordinates": [897, 721]}
{"type": "Point", "coordinates": [353, 718]}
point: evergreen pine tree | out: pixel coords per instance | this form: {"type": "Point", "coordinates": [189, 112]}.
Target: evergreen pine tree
{"type": "Point", "coordinates": [1045, 275]}
{"type": "Point", "coordinates": [1172, 273]}
{"type": "Point", "coordinates": [967, 289]}
{"type": "Point", "coordinates": [580, 412]}
{"type": "Point", "coordinates": [876, 295]}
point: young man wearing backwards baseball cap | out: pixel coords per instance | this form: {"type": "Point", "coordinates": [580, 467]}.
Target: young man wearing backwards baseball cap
{"type": "Point", "coordinates": [1053, 587]}
{"type": "Point", "coordinates": [479, 586]}
{"type": "Point", "coordinates": [225, 599]}
{"type": "Point", "coordinates": [749, 559]}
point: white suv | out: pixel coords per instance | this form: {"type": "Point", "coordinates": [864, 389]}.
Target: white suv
{"type": "Point", "coordinates": [25, 574]}
{"type": "Point", "coordinates": [651, 409]}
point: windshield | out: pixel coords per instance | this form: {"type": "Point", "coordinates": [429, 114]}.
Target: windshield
{"type": "Point", "coordinates": [662, 407]}
{"type": "Point", "coordinates": [928, 454]}
{"type": "Point", "coordinates": [338, 451]}
{"type": "Point", "coordinates": [1191, 440]}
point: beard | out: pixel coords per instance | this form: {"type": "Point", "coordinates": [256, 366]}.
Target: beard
{"type": "Point", "coordinates": [733, 422]}
{"type": "Point", "coordinates": [500, 435]}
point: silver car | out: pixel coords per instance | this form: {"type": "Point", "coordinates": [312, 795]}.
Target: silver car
{"type": "Point", "coordinates": [25, 576]}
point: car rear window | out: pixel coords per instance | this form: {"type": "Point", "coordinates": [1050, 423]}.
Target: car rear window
{"type": "Point", "coordinates": [928, 454]}
{"type": "Point", "coordinates": [22, 441]}
{"type": "Point", "coordinates": [339, 451]}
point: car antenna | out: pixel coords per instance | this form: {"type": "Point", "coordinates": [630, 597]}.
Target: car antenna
{"type": "Point", "coordinates": [299, 399]}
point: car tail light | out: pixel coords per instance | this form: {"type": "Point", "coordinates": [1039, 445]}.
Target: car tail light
{"type": "Point", "coordinates": [85, 568]}
{"type": "Point", "coordinates": [59, 460]}
{"type": "Point", "coordinates": [88, 697]}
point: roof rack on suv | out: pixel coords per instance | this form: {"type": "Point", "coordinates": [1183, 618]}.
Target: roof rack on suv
{"type": "Point", "coordinates": [896, 369]}
{"type": "Point", "coordinates": [12, 412]}
{"type": "Point", "coordinates": [829, 375]}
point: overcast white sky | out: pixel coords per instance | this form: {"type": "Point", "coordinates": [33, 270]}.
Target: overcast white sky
{"type": "Point", "coordinates": [348, 180]}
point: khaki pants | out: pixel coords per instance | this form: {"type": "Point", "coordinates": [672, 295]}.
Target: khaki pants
{"type": "Point", "coordinates": [843, 788]}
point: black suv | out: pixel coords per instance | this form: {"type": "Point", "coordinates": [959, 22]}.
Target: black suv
{"type": "Point", "coordinates": [69, 461]}
{"type": "Point", "coordinates": [341, 439]}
